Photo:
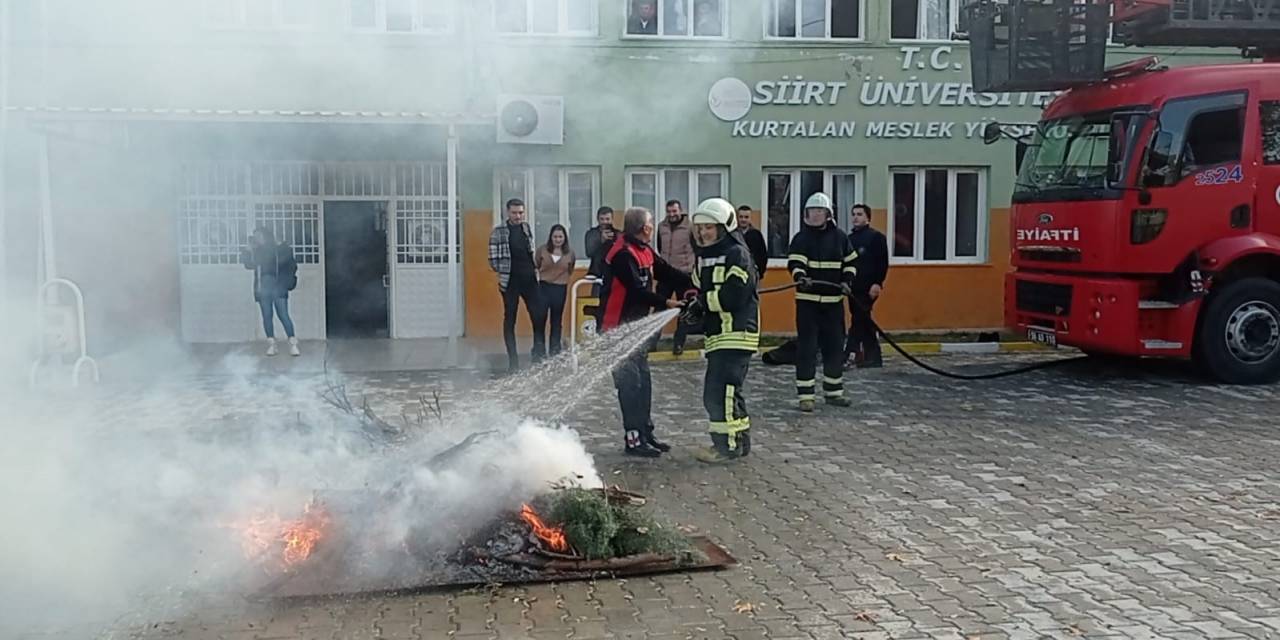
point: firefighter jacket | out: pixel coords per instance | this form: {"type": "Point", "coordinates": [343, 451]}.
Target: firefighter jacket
{"type": "Point", "coordinates": [726, 279]}
{"type": "Point", "coordinates": [822, 253]}
{"type": "Point", "coordinates": [630, 269]}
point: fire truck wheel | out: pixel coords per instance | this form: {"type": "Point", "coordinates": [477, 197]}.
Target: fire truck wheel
{"type": "Point", "coordinates": [1239, 337]}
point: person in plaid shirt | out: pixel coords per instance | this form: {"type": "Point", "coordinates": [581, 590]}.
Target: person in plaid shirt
{"type": "Point", "coordinates": [511, 257]}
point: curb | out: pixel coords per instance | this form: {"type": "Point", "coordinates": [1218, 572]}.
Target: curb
{"type": "Point", "coordinates": [914, 348]}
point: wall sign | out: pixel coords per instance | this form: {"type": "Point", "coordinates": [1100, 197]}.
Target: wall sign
{"type": "Point", "coordinates": [731, 100]}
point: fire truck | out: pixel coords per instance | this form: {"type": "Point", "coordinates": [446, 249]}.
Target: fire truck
{"type": "Point", "coordinates": [1146, 208]}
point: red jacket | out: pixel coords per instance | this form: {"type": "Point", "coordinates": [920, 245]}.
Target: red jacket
{"type": "Point", "coordinates": [629, 272]}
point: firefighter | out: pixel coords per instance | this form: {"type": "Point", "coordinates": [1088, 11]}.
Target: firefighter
{"type": "Point", "coordinates": [631, 267]}
{"type": "Point", "coordinates": [729, 306]}
{"type": "Point", "coordinates": [821, 252]}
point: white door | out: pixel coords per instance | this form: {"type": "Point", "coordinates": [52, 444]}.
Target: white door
{"type": "Point", "coordinates": [420, 284]}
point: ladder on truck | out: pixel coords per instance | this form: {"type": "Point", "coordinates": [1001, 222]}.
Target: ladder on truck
{"type": "Point", "coordinates": [1048, 45]}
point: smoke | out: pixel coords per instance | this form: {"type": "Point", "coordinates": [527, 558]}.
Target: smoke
{"type": "Point", "coordinates": [123, 505]}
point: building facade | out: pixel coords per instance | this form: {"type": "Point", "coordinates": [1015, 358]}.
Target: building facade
{"type": "Point", "coordinates": [380, 137]}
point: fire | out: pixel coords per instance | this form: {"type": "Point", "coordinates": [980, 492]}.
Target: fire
{"type": "Point", "coordinates": [270, 539]}
{"type": "Point", "coordinates": [552, 536]}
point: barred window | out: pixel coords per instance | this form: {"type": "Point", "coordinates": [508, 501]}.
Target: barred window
{"type": "Point", "coordinates": [422, 231]}
{"type": "Point", "coordinates": [293, 223]}
{"type": "Point", "coordinates": [212, 231]}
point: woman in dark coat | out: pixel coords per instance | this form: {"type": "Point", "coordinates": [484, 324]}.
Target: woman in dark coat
{"type": "Point", "coordinates": [275, 274]}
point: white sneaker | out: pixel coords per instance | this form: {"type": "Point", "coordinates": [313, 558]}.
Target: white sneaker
{"type": "Point", "coordinates": [271, 346]}
{"type": "Point", "coordinates": [293, 347]}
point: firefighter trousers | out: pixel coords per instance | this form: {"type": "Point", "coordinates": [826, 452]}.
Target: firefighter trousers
{"type": "Point", "coordinates": [820, 327]}
{"type": "Point", "coordinates": [722, 394]}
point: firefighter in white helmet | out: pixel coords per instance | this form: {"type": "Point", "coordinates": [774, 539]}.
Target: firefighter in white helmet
{"type": "Point", "coordinates": [729, 307]}
{"type": "Point", "coordinates": [820, 252]}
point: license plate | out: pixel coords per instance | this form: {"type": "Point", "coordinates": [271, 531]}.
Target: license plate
{"type": "Point", "coordinates": [1043, 336]}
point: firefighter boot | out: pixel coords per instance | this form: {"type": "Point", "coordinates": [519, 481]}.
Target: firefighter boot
{"type": "Point", "coordinates": [636, 446]}
{"type": "Point", "coordinates": [654, 442]}
{"type": "Point", "coordinates": [838, 401]}
{"type": "Point", "coordinates": [744, 443]}
{"type": "Point", "coordinates": [806, 406]}
{"type": "Point", "coordinates": [719, 451]}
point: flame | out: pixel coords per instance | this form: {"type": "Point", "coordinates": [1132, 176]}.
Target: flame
{"type": "Point", "coordinates": [552, 536]}
{"type": "Point", "coordinates": [269, 539]}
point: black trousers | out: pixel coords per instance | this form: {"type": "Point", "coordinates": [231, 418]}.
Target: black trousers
{"type": "Point", "coordinates": [722, 393]}
{"type": "Point", "coordinates": [862, 335]}
{"type": "Point", "coordinates": [820, 327]}
{"type": "Point", "coordinates": [635, 396]}
{"type": "Point", "coordinates": [665, 292]}
{"type": "Point", "coordinates": [553, 297]}
{"type": "Point", "coordinates": [525, 288]}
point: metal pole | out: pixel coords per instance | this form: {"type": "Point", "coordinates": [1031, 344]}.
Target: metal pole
{"type": "Point", "coordinates": [6, 54]}
{"type": "Point", "coordinates": [46, 212]}
{"type": "Point", "coordinates": [455, 299]}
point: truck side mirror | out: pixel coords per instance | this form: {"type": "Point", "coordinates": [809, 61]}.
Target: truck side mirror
{"type": "Point", "coordinates": [991, 133]}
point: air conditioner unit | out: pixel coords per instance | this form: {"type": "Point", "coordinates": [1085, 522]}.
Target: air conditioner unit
{"type": "Point", "coordinates": [525, 119]}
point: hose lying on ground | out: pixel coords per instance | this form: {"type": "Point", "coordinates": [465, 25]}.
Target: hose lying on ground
{"type": "Point", "coordinates": [957, 376]}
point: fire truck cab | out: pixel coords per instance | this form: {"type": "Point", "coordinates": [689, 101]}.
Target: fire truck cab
{"type": "Point", "coordinates": [1146, 213]}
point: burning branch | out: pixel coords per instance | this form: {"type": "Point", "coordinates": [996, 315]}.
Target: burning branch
{"type": "Point", "coordinates": [553, 537]}
{"type": "Point", "coordinates": [280, 544]}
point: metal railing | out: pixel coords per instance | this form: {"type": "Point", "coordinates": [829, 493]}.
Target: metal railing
{"type": "Point", "coordinates": [81, 337]}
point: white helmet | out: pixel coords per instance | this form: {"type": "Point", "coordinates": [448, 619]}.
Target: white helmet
{"type": "Point", "coordinates": [820, 200]}
{"type": "Point", "coordinates": [716, 211]}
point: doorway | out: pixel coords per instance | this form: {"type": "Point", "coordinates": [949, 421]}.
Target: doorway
{"type": "Point", "coordinates": [357, 282]}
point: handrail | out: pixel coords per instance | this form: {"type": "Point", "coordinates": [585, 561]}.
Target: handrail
{"type": "Point", "coordinates": [81, 337]}
{"type": "Point", "coordinates": [573, 316]}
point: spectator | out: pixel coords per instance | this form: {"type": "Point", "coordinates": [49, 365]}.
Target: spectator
{"type": "Point", "coordinates": [755, 241]}
{"type": "Point", "coordinates": [675, 243]}
{"type": "Point", "coordinates": [863, 348]}
{"type": "Point", "coordinates": [598, 240]}
{"type": "Point", "coordinates": [644, 18]}
{"type": "Point", "coordinates": [275, 274]}
{"type": "Point", "coordinates": [511, 257]}
{"type": "Point", "coordinates": [706, 18]}
{"type": "Point", "coordinates": [555, 268]}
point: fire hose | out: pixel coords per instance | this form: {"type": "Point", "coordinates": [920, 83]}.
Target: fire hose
{"type": "Point", "coordinates": [916, 361]}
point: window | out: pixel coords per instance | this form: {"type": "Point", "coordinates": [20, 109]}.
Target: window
{"type": "Point", "coordinates": [677, 18]}
{"type": "Point", "coordinates": [938, 215]}
{"type": "Point", "coordinates": [401, 16]}
{"type": "Point", "coordinates": [923, 19]}
{"type": "Point", "coordinates": [1195, 133]}
{"type": "Point", "coordinates": [258, 14]}
{"type": "Point", "coordinates": [651, 187]}
{"type": "Point", "coordinates": [821, 19]}
{"type": "Point", "coordinates": [552, 195]}
{"type": "Point", "coordinates": [787, 190]}
{"type": "Point", "coordinates": [1271, 132]}
{"type": "Point", "coordinates": [562, 17]}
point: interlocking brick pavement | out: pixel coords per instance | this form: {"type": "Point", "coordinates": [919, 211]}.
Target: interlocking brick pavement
{"type": "Point", "coordinates": [1065, 503]}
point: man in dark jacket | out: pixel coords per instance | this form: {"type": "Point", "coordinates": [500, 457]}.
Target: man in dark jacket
{"type": "Point", "coordinates": [511, 257]}
{"type": "Point", "coordinates": [598, 240]}
{"type": "Point", "coordinates": [730, 308]}
{"type": "Point", "coordinates": [820, 251]}
{"type": "Point", "coordinates": [754, 240]}
{"type": "Point", "coordinates": [631, 266]}
{"type": "Point", "coordinates": [873, 266]}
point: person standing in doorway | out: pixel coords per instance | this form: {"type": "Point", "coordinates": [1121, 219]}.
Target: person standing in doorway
{"type": "Point", "coordinates": [821, 252]}
{"type": "Point", "coordinates": [631, 266]}
{"type": "Point", "coordinates": [511, 257]}
{"type": "Point", "coordinates": [597, 241]}
{"type": "Point", "coordinates": [275, 274]}
{"type": "Point", "coordinates": [863, 348]}
{"type": "Point", "coordinates": [675, 243]}
{"type": "Point", "coordinates": [555, 268]}
{"type": "Point", "coordinates": [754, 240]}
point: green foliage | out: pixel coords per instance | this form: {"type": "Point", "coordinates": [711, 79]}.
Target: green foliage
{"type": "Point", "coordinates": [588, 520]}
{"type": "Point", "coordinates": [598, 529]}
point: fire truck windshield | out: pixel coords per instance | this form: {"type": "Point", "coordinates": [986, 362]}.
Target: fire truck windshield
{"type": "Point", "coordinates": [1080, 157]}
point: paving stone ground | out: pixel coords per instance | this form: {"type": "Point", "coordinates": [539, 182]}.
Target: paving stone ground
{"type": "Point", "coordinates": [1123, 503]}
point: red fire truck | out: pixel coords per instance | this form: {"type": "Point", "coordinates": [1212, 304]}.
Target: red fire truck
{"type": "Point", "coordinates": [1146, 211]}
